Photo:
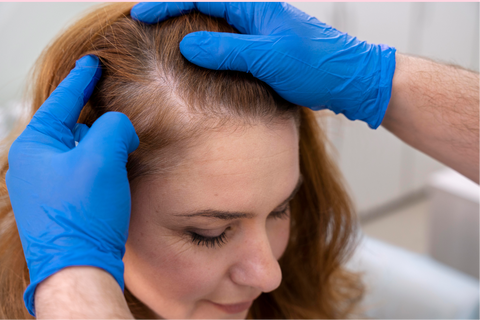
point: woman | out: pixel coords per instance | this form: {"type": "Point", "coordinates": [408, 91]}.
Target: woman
{"type": "Point", "coordinates": [234, 198]}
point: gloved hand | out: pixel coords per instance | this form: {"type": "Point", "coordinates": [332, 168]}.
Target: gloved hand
{"type": "Point", "coordinates": [71, 204]}
{"type": "Point", "coordinates": [306, 61]}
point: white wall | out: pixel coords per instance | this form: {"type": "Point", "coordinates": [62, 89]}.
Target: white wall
{"type": "Point", "coordinates": [378, 167]}
{"type": "Point", "coordinates": [25, 30]}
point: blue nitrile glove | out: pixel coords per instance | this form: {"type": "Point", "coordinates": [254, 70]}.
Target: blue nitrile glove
{"type": "Point", "coordinates": [71, 204]}
{"type": "Point", "coordinates": [306, 61]}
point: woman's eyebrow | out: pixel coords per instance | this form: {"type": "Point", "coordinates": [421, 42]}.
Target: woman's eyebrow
{"type": "Point", "coordinates": [232, 215]}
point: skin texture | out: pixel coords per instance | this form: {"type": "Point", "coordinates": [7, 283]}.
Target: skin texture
{"type": "Point", "coordinates": [81, 293]}
{"type": "Point", "coordinates": [244, 169]}
{"type": "Point", "coordinates": [435, 109]}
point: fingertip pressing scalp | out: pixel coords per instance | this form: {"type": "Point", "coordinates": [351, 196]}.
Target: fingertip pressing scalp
{"type": "Point", "coordinates": [90, 62]}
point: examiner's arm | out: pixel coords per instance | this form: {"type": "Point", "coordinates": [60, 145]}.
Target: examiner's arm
{"type": "Point", "coordinates": [81, 292]}
{"type": "Point", "coordinates": [435, 109]}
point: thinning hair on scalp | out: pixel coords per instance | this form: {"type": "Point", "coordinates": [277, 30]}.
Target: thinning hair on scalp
{"type": "Point", "coordinates": [171, 103]}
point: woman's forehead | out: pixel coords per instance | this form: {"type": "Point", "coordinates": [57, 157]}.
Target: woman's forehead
{"type": "Point", "coordinates": [241, 152]}
{"type": "Point", "coordinates": [243, 168]}
{"type": "Point", "coordinates": [245, 143]}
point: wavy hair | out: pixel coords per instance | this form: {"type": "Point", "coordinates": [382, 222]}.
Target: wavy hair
{"type": "Point", "coordinates": [170, 101]}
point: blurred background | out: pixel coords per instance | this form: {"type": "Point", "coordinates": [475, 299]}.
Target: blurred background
{"type": "Point", "coordinates": [403, 197]}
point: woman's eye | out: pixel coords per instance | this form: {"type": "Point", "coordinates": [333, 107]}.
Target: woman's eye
{"type": "Point", "coordinates": [209, 242]}
{"type": "Point", "coordinates": [218, 241]}
{"type": "Point", "coordinates": [284, 214]}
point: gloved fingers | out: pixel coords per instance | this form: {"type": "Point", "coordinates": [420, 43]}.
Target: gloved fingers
{"type": "Point", "coordinates": [80, 131]}
{"type": "Point", "coordinates": [113, 136]}
{"type": "Point", "coordinates": [229, 51]}
{"type": "Point", "coordinates": [67, 100]}
{"type": "Point", "coordinates": [154, 12]}
{"type": "Point", "coordinates": [246, 17]}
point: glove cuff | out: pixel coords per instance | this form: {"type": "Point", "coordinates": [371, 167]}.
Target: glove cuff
{"type": "Point", "coordinates": [387, 70]}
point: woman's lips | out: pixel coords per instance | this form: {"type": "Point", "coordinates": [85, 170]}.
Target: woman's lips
{"type": "Point", "coordinates": [234, 308]}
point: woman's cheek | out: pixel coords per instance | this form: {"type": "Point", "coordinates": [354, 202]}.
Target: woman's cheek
{"type": "Point", "coordinates": [279, 235]}
{"type": "Point", "coordinates": [170, 263]}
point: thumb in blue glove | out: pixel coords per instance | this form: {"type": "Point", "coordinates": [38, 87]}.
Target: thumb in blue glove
{"type": "Point", "coordinates": [306, 61]}
{"type": "Point", "coordinates": [71, 204]}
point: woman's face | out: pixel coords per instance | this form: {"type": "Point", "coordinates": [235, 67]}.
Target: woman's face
{"type": "Point", "coordinates": [204, 241]}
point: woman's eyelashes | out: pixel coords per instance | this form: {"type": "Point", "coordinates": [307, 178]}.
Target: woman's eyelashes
{"type": "Point", "coordinates": [218, 241]}
{"type": "Point", "coordinates": [283, 214]}
{"type": "Point", "coordinates": [212, 242]}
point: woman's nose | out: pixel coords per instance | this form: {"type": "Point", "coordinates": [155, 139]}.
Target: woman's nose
{"type": "Point", "coordinates": [256, 265]}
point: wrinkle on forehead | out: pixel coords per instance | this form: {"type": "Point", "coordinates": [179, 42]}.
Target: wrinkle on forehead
{"type": "Point", "coordinates": [282, 138]}
{"type": "Point", "coordinates": [233, 151]}
{"type": "Point", "coordinates": [243, 166]}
